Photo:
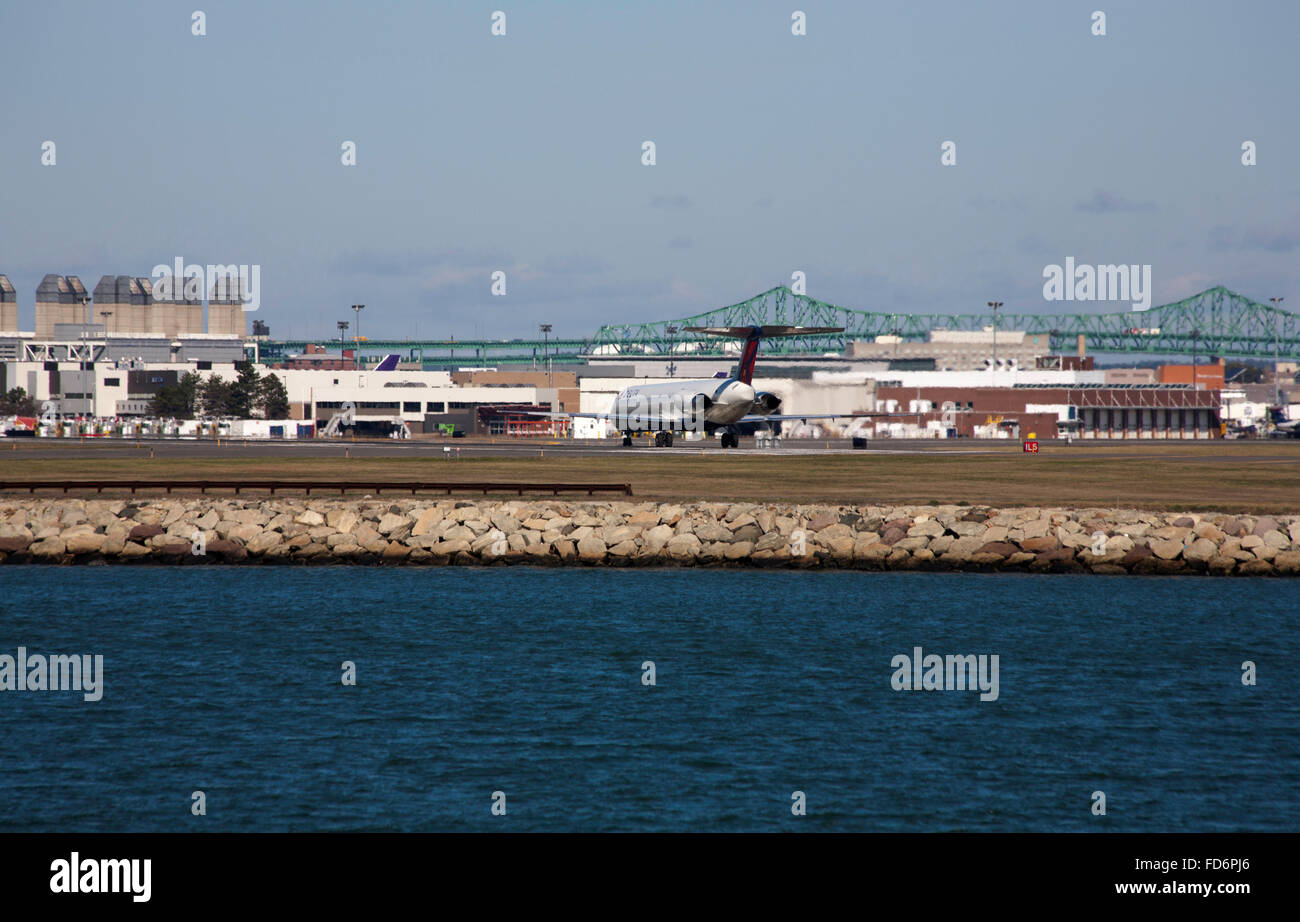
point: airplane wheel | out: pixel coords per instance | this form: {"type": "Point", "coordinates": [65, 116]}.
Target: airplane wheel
{"type": "Point", "coordinates": [668, 440]}
{"type": "Point", "coordinates": [627, 441]}
{"type": "Point", "coordinates": [729, 440]}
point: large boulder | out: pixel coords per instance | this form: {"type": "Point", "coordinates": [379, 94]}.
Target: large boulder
{"type": "Point", "coordinates": [1041, 544]}
{"type": "Point", "coordinates": [1167, 549]}
{"type": "Point", "coordinates": [683, 547]}
{"type": "Point", "coordinates": [1201, 549]}
{"type": "Point", "coordinates": [84, 543]}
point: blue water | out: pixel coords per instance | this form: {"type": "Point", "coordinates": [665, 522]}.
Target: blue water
{"type": "Point", "coordinates": [526, 681]}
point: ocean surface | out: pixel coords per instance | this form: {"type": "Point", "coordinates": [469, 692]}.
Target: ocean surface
{"type": "Point", "coordinates": [531, 682]}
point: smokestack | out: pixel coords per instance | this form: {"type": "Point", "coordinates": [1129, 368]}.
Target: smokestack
{"type": "Point", "coordinates": [1083, 346]}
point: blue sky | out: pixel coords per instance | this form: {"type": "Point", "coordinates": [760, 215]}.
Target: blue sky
{"type": "Point", "coordinates": [775, 153]}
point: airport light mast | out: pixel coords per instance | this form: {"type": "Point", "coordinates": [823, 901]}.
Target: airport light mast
{"type": "Point", "coordinates": [1277, 378]}
{"type": "Point", "coordinates": [343, 328]}
{"type": "Point", "coordinates": [357, 333]}
{"type": "Point", "coordinates": [994, 305]}
{"type": "Point", "coordinates": [672, 364]}
{"type": "Point", "coordinates": [85, 329]}
{"type": "Point", "coordinates": [1196, 334]}
{"type": "Point", "coordinates": [546, 338]}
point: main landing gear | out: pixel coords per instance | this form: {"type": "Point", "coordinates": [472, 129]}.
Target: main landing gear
{"type": "Point", "coordinates": [663, 439]}
{"type": "Point", "coordinates": [730, 440]}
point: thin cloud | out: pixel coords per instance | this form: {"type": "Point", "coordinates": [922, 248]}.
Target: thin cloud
{"type": "Point", "coordinates": [1103, 202]}
{"type": "Point", "coordinates": [670, 201]}
{"type": "Point", "coordinates": [406, 263]}
{"type": "Point", "coordinates": [1226, 239]}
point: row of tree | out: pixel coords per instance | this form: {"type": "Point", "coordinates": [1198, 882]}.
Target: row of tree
{"type": "Point", "coordinates": [247, 395]}
{"type": "Point", "coordinates": [17, 403]}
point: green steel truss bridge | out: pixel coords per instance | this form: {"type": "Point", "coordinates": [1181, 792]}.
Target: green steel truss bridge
{"type": "Point", "coordinates": [1215, 322]}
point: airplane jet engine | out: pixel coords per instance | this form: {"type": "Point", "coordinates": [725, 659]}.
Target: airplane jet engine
{"type": "Point", "coordinates": [765, 403]}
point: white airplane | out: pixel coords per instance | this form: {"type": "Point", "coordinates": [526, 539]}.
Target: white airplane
{"type": "Point", "coordinates": [1283, 428]}
{"type": "Point", "coordinates": [708, 404]}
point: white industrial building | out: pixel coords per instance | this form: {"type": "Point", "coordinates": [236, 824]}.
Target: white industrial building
{"type": "Point", "coordinates": [412, 397]}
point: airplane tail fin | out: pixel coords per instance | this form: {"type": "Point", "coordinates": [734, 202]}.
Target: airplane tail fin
{"type": "Point", "coordinates": [751, 335]}
{"type": "Point", "coordinates": [387, 363]}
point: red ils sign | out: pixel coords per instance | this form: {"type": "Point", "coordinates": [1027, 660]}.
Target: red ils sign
{"type": "Point", "coordinates": [1031, 445]}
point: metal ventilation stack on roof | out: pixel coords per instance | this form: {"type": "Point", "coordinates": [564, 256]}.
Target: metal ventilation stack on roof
{"type": "Point", "coordinates": [128, 315]}
{"type": "Point", "coordinates": [175, 316]}
{"type": "Point", "coordinates": [226, 307]}
{"type": "Point", "coordinates": [8, 305]}
{"type": "Point", "coordinates": [59, 300]}
{"type": "Point", "coordinates": [106, 301]}
{"type": "Point", "coordinates": [143, 305]}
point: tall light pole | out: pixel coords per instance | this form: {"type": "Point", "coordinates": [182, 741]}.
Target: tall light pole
{"type": "Point", "coordinates": [343, 328]}
{"type": "Point", "coordinates": [357, 333]}
{"type": "Point", "coordinates": [87, 320]}
{"type": "Point", "coordinates": [994, 305]}
{"type": "Point", "coordinates": [672, 364]}
{"type": "Point", "coordinates": [1277, 378]}
{"type": "Point", "coordinates": [1196, 385]}
{"type": "Point", "coordinates": [546, 339]}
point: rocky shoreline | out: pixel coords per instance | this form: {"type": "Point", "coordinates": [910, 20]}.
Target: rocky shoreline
{"type": "Point", "coordinates": [548, 532]}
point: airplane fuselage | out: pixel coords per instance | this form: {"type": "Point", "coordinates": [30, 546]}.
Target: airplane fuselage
{"type": "Point", "coordinates": [682, 405]}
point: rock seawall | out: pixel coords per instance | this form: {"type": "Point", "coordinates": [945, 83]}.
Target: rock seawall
{"type": "Point", "coordinates": [549, 532]}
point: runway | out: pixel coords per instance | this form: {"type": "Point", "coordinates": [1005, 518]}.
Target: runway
{"type": "Point", "coordinates": [463, 447]}
{"type": "Point", "coordinates": [1287, 451]}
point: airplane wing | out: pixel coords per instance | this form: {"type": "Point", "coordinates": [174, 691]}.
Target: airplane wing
{"type": "Point", "coordinates": [758, 417]}
{"type": "Point", "coordinates": [559, 414]}
{"type": "Point", "coordinates": [778, 417]}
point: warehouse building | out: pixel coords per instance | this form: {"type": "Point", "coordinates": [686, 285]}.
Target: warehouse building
{"type": "Point", "coordinates": [1087, 411]}
{"type": "Point", "coordinates": [961, 350]}
{"type": "Point", "coordinates": [423, 400]}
